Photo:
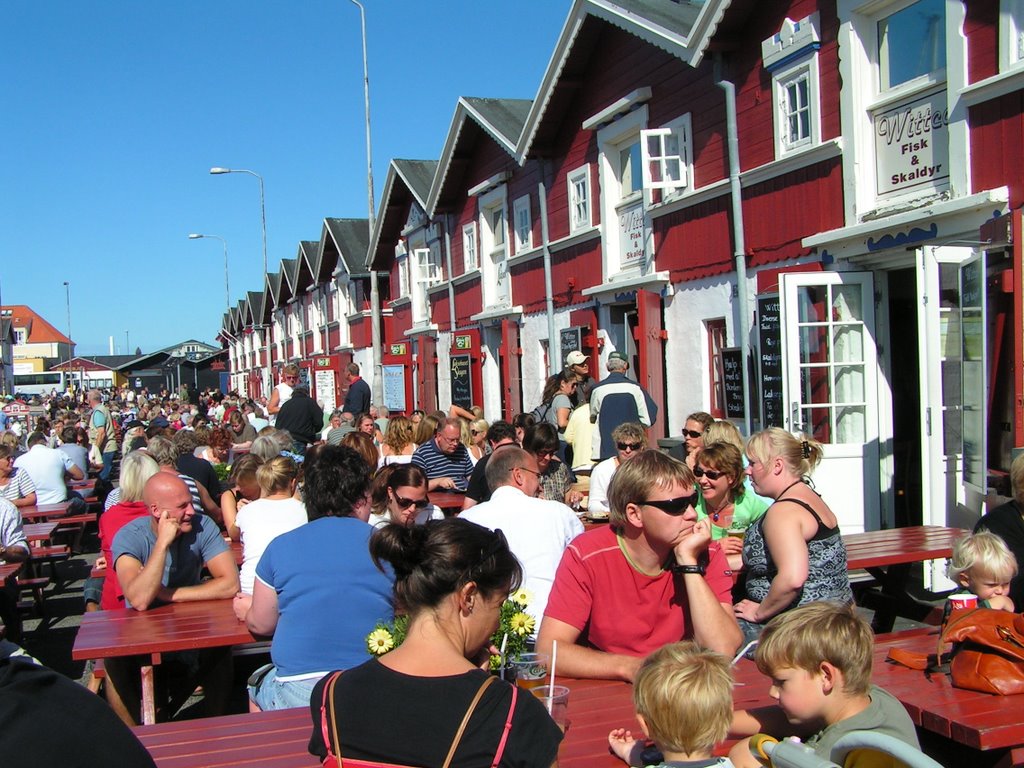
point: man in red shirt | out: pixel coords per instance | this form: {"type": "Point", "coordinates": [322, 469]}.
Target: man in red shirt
{"type": "Point", "coordinates": [651, 577]}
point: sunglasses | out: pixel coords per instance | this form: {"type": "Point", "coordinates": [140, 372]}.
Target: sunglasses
{"type": "Point", "coordinates": [404, 503]}
{"type": "Point", "coordinates": [674, 507]}
{"type": "Point", "coordinates": [691, 433]}
{"type": "Point", "coordinates": [710, 473]}
{"type": "Point", "coordinates": [629, 446]}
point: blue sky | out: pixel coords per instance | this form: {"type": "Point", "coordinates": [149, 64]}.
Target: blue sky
{"type": "Point", "coordinates": [113, 113]}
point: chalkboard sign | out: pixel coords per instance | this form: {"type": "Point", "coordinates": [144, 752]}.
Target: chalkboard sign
{"type": "Point", "coordinates": [732, 378]}
{"type": "Point", "coordinates": [769, 342]}
{"type": "Point", "coordinates": [462, 381]}
{"type": "Point", "coordinates": [569, 341]}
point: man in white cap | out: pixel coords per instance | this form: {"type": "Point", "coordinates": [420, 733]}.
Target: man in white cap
{"type": "Point", "coordinates": [576, 363]}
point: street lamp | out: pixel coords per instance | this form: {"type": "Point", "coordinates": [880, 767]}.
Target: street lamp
{"type": "Point", "coordinates": [217, 170]}
{"type": "Point", "coordinates": [67, 303]}
{"type": "Point", "coordinates": [227, 292]}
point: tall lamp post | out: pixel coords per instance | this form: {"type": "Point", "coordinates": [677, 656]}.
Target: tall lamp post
{"type": "Point", "coordinates": [375, 319]}
{"type": "Point", "coordinates": [67, 304]}
{"type": "Point", "coordinates": [227, 291]}
{"type": "Point", "coordinates": [217, 170]}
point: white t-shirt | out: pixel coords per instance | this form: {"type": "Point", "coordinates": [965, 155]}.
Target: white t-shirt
{"type": "Point", "coordinates": [429, 512]}
{"type": "Point", "coordinates": [600, 479]}
{"type": "Point", "coordinates": [538, 531]}
{"type": "Point", "coordinates": [261, 522]}
{"type": "Point", "coordinates": [284, 394]}
{"type": "Point", "coordinates": [46, 467]}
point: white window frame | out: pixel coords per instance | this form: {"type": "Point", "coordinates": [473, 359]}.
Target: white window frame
{"type": "Point", "coordinates": [522, 223]}
{"type": "Point", "coordinates": [1011, 34]}
{"type": "Point", "coordinates": [581, 213]}
{"type": "Point", "coordinates": [681, 129]}
{"type": "Point", "coordinates": [493, 243]}
{"type": "Point", "coordinates": [915, 84]}
{"type": "Point", "coordinates": [470, 247]}
{"type": "Point", "coordinates": [781, 79]}
{"type": "Point", "coordinates": [611, 140]}
{"type": "Point", "coordinates": [403, 267]}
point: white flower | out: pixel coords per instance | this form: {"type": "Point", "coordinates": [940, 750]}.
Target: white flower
{"type": "Point", "coordinates": [523, 596]}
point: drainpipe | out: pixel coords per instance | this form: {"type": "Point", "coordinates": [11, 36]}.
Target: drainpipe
{"type": "Point", "coordinates": [549, 301]}
{"type": "Point", "coordinates": [448, 263]}
{"type": "Point", "coordinates": [743, 332]}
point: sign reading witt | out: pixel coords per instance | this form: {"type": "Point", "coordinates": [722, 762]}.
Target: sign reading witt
{"type": "Point", "coordinates": [912, 145]}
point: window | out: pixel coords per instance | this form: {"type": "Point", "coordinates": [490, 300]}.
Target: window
{"type": "Point", "coordinates": [630, 177]}
{"type": "Point", "coordinates": [20, 336]}
{"type": "Point", "coordinates": [716, 343]}
{"type": "Point", "coordinates": [403, 275]}
{"type": "Point", "coordinates": [428, 268]}
{"type": "Point", "coordinates": [494, 246]}
{"type": "Point", "coordinates": [911, 43]}
{"type": "Point", "coordinates": [523, 224]}
{"type": "Point", "coordinates": [578, 183]}
{"type": "Point", "coordinates": [470, 258]}
{"type": "Point", "coordinates": [497, 226]}
{"type": "Point", "coordinates": [791, 56]}
{"type": "Point", "coordinates": [667, 160]}
{"type": "Point", "coordinates": [1011, 32]}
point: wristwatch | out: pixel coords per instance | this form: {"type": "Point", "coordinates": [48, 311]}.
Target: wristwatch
{"type": "Point", "coordinates": [698, 569]}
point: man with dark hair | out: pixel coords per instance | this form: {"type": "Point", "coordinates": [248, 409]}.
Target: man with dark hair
{"type": "Point", "coordinates": [499, 434]}
{"type": "Point", "coordinates": [315, 582]}
{"type": "Point", "coordinates": [302, 418]}
{"type": "Point", "coordinates": [357, 399]}
{"type": "Point", "coordinates": [101, 432]}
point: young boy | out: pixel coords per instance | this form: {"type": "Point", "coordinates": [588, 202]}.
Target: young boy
{"type": "Point", "coordinates": [983, 566]}
{"type": "Point", "coordinates": [683, 699]}
{"type": "Point", "coordinates": [818, 657]}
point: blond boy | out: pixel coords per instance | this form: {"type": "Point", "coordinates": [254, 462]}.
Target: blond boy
{"type": "Point", "coordinates": [683, 700]}
{"type": "Point", "coordinates": [983, 565]}
{"type": "Point", "coordinates": [818, 657]}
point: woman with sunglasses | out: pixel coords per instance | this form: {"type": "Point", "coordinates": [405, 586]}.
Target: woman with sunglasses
{"type": "Point", "coordinates": [794, 553]}
{"type": "Point", "coordinates": [283, 391]}
{"type": "Point", "coordinates": [724, 498]}
{"type": "Point", "coordinates": [478, 439]}
{"type": "Point", "coordinates": [541, 441]}
{"type": "Point", "coordinates": [399, 495]}
{"type": "Point", "coordinates": [630, 439]}
{"type": "Point", "coordinates": [694, 427]}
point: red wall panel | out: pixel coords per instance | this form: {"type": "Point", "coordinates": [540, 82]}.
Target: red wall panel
{"type": "Point", "coordinates": [981, 28]}
{"type": "Point", "coordinates": [997, 138]}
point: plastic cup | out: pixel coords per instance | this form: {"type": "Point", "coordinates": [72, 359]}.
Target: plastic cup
{"type": "Point", "coordinates": [556, 702]}
{"type": "Point", "coordinates": [530, 670]}
{"type": "Point", "coordinates": [737, 532]}
{"type": "Point", "coordinates": [963, 602]}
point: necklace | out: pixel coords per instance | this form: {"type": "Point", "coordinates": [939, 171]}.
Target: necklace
{"type": "Point", "coordinates": [717, 513]}
{"type": "Point", "coordinates": [786, 489]}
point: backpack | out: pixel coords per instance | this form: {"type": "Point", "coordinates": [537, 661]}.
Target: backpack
{"type": "Point", "coordinates": [540, 413]}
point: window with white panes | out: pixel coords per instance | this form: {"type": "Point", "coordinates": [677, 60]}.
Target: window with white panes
{"type": "Point", "coordinates": [523, 224]}
{"type": "Point", "coordinates": [791, 56]}
{"type": "Point", "coordinates": [666, 157]}
{"type": "Point", "coordinates": [578, 183]}
{"type": "Point", "coordinates": [911, 43]}
{"type": "Point", "coordinates": [470, 256]}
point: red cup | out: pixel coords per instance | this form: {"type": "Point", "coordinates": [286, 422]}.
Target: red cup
{"type": "Point", "coordinates": [963, 602]}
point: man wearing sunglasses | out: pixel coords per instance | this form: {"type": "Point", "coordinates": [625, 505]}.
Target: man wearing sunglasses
{"type": "Point", "coordinates": [630, 439]}
{"type": "Point", "coordinates": [615, 400]}
{"type": "Point", "coordinates": [651, 577]}
{"type": "Point", "coordinates": [538, 531]}
{"type": "Point", "coordinates": [282, 392]}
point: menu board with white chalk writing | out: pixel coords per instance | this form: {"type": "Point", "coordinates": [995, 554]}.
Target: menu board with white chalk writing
{"type": "Point", "coordinates": [769, 343]}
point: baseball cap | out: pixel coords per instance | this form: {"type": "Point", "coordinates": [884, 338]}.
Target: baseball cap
{"type": "Point", "coordinates": [618, 356]}
{"type": "Point", "coordinates": [575, 358]}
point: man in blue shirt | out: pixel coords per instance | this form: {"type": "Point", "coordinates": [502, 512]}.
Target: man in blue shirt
{"type": "Point", "coordinates": [615, 400]}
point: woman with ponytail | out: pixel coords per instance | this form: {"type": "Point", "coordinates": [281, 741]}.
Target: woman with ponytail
{"type": "Point", "coordinates": [451, 578]}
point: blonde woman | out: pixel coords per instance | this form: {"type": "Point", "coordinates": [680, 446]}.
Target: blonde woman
{"type": "Point", "coordinates": [398, 444]}
{"type": "Point", "coordinates": [478, 439]}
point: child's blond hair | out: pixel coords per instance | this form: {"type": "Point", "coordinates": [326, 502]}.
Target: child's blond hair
{"type": "Point", "coordinates": [805, 637]}
{"type": "Point", "coordinates": [684, 694]}
{"type": "Point", "coordinates": [986, 554]}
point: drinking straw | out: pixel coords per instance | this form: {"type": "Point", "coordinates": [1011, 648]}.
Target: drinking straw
{"type": "Point", "coordinates": [743, 652]}
{"type": "Point", "coordinates": [501, 652]}
{"type": "Point", "coordinates": [551, 684]}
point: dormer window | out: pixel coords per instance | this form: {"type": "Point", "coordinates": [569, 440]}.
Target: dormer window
{"type": "Point", "coordinates": [791, 57]}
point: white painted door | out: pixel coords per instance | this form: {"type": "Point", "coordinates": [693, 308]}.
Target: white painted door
{"type": "Point", "coordinates": [830, 386]}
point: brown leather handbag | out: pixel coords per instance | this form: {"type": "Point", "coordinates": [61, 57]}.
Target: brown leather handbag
{"type": "Point", "coordinates": [987, 653]}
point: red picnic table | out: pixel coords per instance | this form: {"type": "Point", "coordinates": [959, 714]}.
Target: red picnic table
{"type": "Point", "coordinates": [888, 556]}
{"type": "Point", "coordinates": [44, 511]}
{"type": "Point", "coordinates": [37, 533]}
{"type": "Point", "coordinates": [447, 502]}
{"type": "Point", "coordinates": [175, 627]}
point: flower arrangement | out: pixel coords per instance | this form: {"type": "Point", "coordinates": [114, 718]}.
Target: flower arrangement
{"type": "Point", "coordinates": [515, 626]}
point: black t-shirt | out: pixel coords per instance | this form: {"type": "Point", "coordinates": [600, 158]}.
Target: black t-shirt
{"type": "Point", "coordinates": [388, 716]}
{"type": "Point", "coordinates": [477, 488]}
{"type": "Point", "coordinates": [201, 471]}
{"type": "Point", "coordinates": [50, 720]}
{"type": "Point", "coordinates": [1005, 521]}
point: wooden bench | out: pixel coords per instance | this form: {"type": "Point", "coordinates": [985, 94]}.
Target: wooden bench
{"type": "Point", "coordinates": [49, 556]}
{"type": "Point", "coordinates": [35, 586]}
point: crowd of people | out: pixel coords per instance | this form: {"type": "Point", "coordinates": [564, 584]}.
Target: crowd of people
{"type": "Point", "coordinates": [729, 552]}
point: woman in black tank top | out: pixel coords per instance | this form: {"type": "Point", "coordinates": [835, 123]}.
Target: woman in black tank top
{"type": "Point", "coordinates": [794, 553]}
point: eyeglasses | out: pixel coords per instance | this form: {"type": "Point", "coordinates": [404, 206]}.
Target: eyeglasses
{"type": "Point", "coordinates": [692, 433]}
{"type": "Point", "coordinates": [629, 446]}
{"type": "Point", "coordinates": [674, 507]}
{"type": "Point", "coordinates": [546, 454]}
{"type": "Point", "coordinates": [527, 469]}
{"type": "Point", "coordinates": [475, 432]}
{"type": "Point", "coordinates": [404, 503]}
{"type": "Point", "coordinates": [710, 473]}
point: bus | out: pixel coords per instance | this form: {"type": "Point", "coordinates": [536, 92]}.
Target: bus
{"type": "Point", "coordinates": [38, 383]}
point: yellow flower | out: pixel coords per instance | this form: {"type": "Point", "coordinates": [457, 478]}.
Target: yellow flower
{"type": "Point", "coordinates": [523, 596]}
{"type": "Point", "coordinates": [522, 623]}
{"type": "Point", "coordinates": [380, 641]}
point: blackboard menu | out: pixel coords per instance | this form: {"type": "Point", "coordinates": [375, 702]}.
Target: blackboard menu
{"type": "Point", "coordinates": [769, 342]}
{"type": "Point", "coordinates": [569, 341]}
{"type": "Point", "coordinates": [462, 381]}
{"type": "Point", "coordinates": [732, 373]}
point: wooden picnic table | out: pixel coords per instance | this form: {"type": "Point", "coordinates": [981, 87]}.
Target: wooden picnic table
{"type": "Point", "coordinates": [888, 556]}
{"type": "Point", "coordinates": [44, 511]}
{"type": "Point", "coordinates": [167, 628]}
{"type": "Point", "coordinates": [37, 533]}
{"type": "Point", "coordinates": [447, 502]}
